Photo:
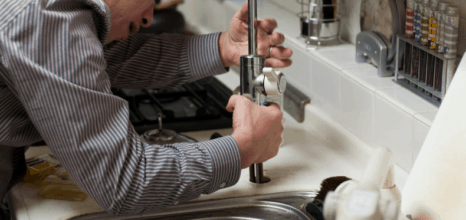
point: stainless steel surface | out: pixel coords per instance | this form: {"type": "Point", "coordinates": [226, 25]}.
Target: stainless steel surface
{"type": "Point", "coordinates": [282, 83]}
{"type": "Point", "coordinates": [252, 11]}
{"type": "Point", "coordinates": [294, 102]}
{"type": "Point", "coordinates": [251, 67]}
{"type": "Point", "coordinates": [160, 134]}
{"type": "Point", "coordinates": [163, 136]}
{"type": "Point", "coordinates": [316, 29]}
{"type": "Point", "coordinates": [371, 47]}
{"type": "Point", "coordinates": [288, 205]}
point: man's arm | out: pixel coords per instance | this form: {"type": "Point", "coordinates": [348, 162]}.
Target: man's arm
{"type": "Point", "coordinates": [52, 60]}
{"type": "Point", "coordinates": [161, 61]}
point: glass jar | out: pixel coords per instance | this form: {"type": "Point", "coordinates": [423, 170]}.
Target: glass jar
{"type": "Point", "coordinates": [409, 31]}
{"type": "Point", "coordinates": [417, 21]}
{"type": "Point", "coordinates": [425, 22]}
{"type": "Point", "coordinates": [451, 31]}
{"type": "Point", "coordinates": [441, 30]}
{"type": "Point", "coordinates": [433, 24]}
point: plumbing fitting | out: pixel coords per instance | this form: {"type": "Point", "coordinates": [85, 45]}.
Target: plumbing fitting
{"type": "Point", "coordinates": [258, 81]}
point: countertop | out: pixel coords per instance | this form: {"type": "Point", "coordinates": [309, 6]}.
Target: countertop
{"type": "Point", "coordinates": [312, 151]}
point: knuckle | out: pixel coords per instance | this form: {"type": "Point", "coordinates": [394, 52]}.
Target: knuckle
{"type": "Point", "coordinates": [279, 36]}
{"type": "Point", "coordinates": [270, 21]}
{"type": "Point", "coordinates": [279, 114]}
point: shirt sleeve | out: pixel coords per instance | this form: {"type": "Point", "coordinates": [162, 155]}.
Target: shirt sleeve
{"type": "Point", "coordinates": [53, 61]}
{"type": "Point", "coordinates": [161, 61]}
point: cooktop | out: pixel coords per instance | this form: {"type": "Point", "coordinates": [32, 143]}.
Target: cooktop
{"type": "Point", "coordinates": [195, 106]}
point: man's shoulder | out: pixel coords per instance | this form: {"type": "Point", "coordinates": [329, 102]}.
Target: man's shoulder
{"type": "Point", "coordinates": [30, 11]}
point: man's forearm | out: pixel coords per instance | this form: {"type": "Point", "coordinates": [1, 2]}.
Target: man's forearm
{"type": "Point", "coordinates": [167, 60]}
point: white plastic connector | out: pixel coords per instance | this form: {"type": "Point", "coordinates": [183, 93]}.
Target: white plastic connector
{"type": "Point", "coordinates": [365, 200]}
{"type": "Point", "coordinates": [331, 203]}
{"type": "Point", "coordinates": [274, 81]}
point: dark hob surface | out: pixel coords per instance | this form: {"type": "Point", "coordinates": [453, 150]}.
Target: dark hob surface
{"type": "Point", "coordinates": [194, 106]}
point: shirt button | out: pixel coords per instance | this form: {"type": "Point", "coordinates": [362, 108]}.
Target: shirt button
{"type": "Point", "coordinates": [222, 185]}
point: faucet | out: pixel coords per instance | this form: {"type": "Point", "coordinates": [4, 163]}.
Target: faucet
{"type": "Point", "coordinates": [257, 81]}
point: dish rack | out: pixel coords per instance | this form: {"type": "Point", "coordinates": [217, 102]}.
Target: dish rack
{"type": "Point", "coordinates": [434, 73]}
{"type": "Point", "coordinates": [320, 22]}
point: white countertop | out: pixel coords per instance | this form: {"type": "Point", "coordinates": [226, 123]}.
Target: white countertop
{"type": "Point", "coordinates": [314, 150]}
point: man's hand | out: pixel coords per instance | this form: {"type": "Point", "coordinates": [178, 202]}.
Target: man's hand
{"type": "Point", "coordinates": [257, 129]}
{"type": "Point", "coordinates": [234, 44]}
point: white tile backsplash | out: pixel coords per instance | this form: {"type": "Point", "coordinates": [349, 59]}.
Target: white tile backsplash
{"type": "Point", "coordinates": [325, 88]}
{"type": "Point", "coordinates": [341, 57]}
{"type": "Point", "coordinates": [426, 118]}
{"type": "Point", "coordinates": [357, 109]}
{"type": "Point", "coordinates": [394, 129]}
{"type": "Point", "coordinates": [299, 73]}
{"type": "Point", "coordinates": [406, 100]}
{"type": "Point", "coordinates": [419, 135]}
{"type": "Point", "coordinates": [368, 78]}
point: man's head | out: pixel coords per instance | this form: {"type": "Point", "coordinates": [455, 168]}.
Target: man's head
{"type": "Point", "coordinates": [128, 16]}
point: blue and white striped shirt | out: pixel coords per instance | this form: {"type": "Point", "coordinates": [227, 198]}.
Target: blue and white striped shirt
{"type": "Point", "coordinates": [55, 79]}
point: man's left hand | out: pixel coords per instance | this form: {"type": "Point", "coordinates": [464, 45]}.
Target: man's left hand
{"type": "Point", "coordinates": [234, 44]}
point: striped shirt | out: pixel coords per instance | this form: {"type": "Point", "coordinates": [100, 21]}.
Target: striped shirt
{"type": "Point", "coordinates": [55, 79]}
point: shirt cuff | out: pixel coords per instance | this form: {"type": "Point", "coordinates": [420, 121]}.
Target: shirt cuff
{"type": "Point", "coordinates": [203, 56]}
{"type": "Point", "coordinates": [226, 163]}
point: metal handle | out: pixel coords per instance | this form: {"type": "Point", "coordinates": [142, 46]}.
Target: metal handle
{"type": "Point", "coordinates": [160, 123]}
{"type": "Point", "coordinates": [252, 10]}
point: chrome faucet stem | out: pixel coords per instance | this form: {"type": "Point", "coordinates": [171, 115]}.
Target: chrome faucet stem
{"type": "Point", "coordinates": [252, 34]}
{"type": "Point", "coordinates": [251, 67]}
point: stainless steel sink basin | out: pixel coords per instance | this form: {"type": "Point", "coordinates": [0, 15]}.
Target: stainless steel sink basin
{"type": "Point", "coordinates": [288, 205]}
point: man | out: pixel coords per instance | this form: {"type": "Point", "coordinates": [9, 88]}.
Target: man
{"type": "Point", "coordinates": [55, 78]}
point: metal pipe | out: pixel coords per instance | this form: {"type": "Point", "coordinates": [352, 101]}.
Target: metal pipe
{"type": "Point", "coordinates": [256, 172]}
{"type": "Point", "coordinates": [252, 11]}
{"type": "Point", "coordinates": [250, 68]}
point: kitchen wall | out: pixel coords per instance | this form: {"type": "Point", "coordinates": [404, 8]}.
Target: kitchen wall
{"type": "Point", "coordinates": [351, 28]}
{"type": "Point", "coordinates": [374, 109]}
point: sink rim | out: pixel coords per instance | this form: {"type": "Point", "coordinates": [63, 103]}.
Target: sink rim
{"type": "Point", "coordinates": [273, 200]}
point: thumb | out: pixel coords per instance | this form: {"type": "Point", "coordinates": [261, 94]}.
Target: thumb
{"type": "Point", "coordinates": [242, 14]}
{"type": "Point", "coordinates": [232, 103]}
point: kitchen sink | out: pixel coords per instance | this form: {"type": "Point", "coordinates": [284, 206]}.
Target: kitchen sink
{"type": "Point", "coordinates": [287, 205]}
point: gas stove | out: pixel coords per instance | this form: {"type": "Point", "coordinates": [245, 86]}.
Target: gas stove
{"type": "Point", "coordinates": [195, 106]}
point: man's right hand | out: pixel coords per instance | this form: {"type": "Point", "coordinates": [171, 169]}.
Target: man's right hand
{"type": "Point", "coordinates": [257, 129]}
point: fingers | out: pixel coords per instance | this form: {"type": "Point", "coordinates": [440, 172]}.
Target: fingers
{"type": "Point", "coordinates": [232, 103]}
{"type": "Point", "coordinates": [281, 53]}
{"type": "Point", "coordinates": [236, 100]}
{"type": "Point", "coordinates": [275, 110]}
{"type": "Point", "coordinates": [268, 25]}
{"type": "Point", "coordinates": [242, 14]}
{"type": "Point", "coordinates": [274, 106]}
{"type": "Point", "coordinates": [276, 39]}
{"type": "Point", "coordinates": [278, 63]}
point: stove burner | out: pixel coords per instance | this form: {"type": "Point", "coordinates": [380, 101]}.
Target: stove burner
{"type": "Point", "coordinates": [194, 106]}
